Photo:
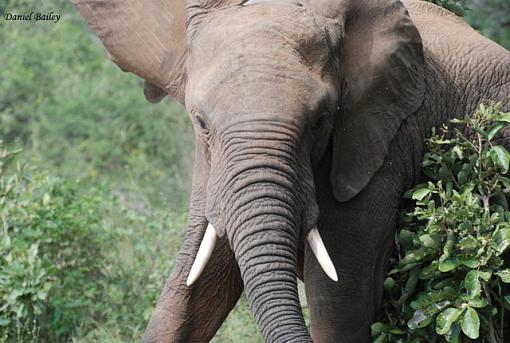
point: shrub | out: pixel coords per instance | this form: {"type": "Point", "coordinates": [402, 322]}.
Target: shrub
{"type": "Point", "coordinates": [447, 282]}
{"type": "Point", "coordinates": [137, 268]}
{"type": "Point", "coordinates": [75, 263]}
{"type": "Point", "coordinates": [52, 249]}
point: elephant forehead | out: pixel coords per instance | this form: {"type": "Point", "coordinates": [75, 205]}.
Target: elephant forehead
{"type": "Point", "coordinates": [248, 53]}
{"type": "Point", "coordinates": [267, 30]}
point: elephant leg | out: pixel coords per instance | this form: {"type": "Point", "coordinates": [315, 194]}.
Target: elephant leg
{"type": "Point", "coordinates": [343, 311]}
{"type": "Point", "coordinates": [358, 236]}
{"type": "Point", "coordinates": [194, 314]}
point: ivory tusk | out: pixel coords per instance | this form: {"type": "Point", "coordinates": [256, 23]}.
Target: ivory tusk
{"type": "Point", "coordinates": [204, 253]}
{"type": "Point", "coordinates": [321, 254]}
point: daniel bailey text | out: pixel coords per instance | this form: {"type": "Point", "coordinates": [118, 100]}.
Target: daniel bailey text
{"type": "Point", "coordinates": [33, 16]}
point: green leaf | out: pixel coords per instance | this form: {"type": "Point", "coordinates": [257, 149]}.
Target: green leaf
{"type": "Point", "coordinates": [478, 302]}
{"type": "Point", "coordinates": [502, 239]}
{"type": "Point", "coordinates": [421, 301]}
{"type": "Point", "coordinates": [420, 194]}
{"type": "Point", "coordinates": [408, 267]}
{"type": "Point", "coordinates": [438, 307]}
{"type": "Point", "coordinates": [494, 129]}
{"type": "Point", "coordinates": [430, 241]}
{"type": "Point", "coordinates": [413, 257]}
{"type": "Point", "coordinates": [504, 180]}
{"type": "Point", "coordinates": [405, 238]}
{"type": "Point", "coordinates": [500, 157]}
{"type": "Point", "coordinates": [389, 283]}
{"type": "Point", "coordinates": [397, 331]}
{"type": "Point", "coordinates": [467, 188]}
{"type": "Point", "coordinates": [419, 320]}
{"type": "Point", "coordinates": [470, 263]}
{"type": "Point", "coordinates": [472, 284]}
{"type": "Point", "coordinates": [449, 264]}
{"type": "Point", "coordinates": [504, 117]}
{"type": "Point", "coordinates": [429, 271]}
{"type": "Point", "coordinates": [453, 336]}
{"type": "Point", "coordinates": [378, 328]}
{"type": "Point", "coordinates": [504, 275]}
{"type": "Point", "coordinates": [485, 276]}
{"type": "Point", "coordinates": [410, 287]}
{"type": "Point", "coordinates": [470, 323]}
{"type": "Point", "coordinates": [468, 243]}
{"type": "Point", "coordinates": [481, 132]}
{"type": "Point", "coordinates": [446, 319]}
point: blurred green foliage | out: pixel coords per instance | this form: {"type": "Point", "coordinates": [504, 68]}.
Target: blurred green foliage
{"type": "Point", "coordinates": [459, 7]}
{"type": "Point", "coordinates": [80, 116]}
{"type": "Point", "coordinates": [491, 18]}
{"type": "Point", "coordinates": [88, 237]}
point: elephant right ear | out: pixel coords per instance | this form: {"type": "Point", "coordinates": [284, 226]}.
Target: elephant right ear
{"type": "Point", "coordinates": [147, 38]}
{"type": "Point", "coordinates": [382, 62]}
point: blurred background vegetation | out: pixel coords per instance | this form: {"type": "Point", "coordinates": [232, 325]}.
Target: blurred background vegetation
{"type": "Point", "coordinates": [93, 204]}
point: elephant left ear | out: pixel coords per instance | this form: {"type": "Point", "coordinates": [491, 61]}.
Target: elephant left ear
{"type": "Point", "coordinates": [144, 37]}
{"type": "Point", "coordinates": [383, 65]}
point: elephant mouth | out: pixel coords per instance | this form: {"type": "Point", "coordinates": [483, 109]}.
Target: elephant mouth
{"type": "Point", "coordinates": [209, 241]}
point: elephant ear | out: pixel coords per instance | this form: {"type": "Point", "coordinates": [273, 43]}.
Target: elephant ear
{"type": "Point", "coordinates": [145, 37]}
{"type": "Point", "coordinates": [383, 68]}
{"type": "Point", "coordinates": [149, 37]}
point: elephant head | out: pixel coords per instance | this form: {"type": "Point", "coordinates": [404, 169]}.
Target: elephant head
{"type": "Point", "coordinates": [270, 86]}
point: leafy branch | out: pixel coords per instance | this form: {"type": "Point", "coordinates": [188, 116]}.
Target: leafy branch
{"type": "Point", "coordinates": [448, 280]}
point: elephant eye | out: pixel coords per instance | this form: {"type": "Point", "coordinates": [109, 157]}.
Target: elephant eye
{"type": "Point", "coordinates": [203, 125]}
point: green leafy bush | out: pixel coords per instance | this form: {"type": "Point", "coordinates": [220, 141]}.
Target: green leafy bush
{"type": "Point", "coordinates": [52, 248]}
{"type": "Point", "coordinates": [137, 269]}
{"type": "Point", "coordinates": [73, 262]}
{"type": "Point", "coordinates": [448, 280]}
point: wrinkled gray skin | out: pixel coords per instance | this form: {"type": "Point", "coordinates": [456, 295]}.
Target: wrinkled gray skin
{"type": "Point", "coordinates": [310, 113]}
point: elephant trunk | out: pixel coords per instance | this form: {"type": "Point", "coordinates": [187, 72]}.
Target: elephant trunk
{"type": "Point", "coordinates": [264, 240]}
{"type": "Point", "coordinates": [259, 199]}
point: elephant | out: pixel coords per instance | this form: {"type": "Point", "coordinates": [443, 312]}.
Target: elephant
{"type": "Point", "coordinates": [310, 119]}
